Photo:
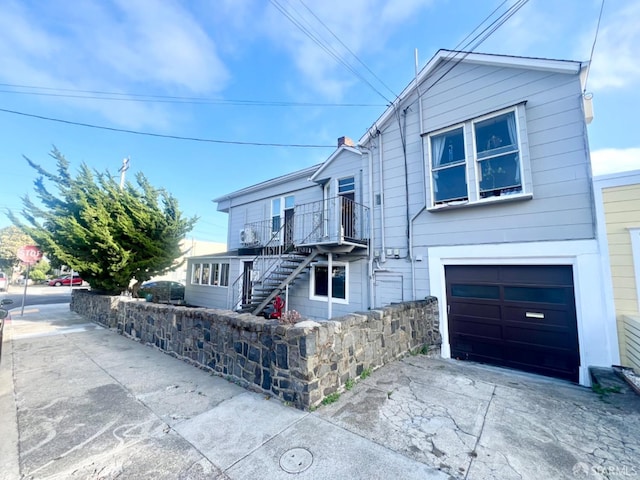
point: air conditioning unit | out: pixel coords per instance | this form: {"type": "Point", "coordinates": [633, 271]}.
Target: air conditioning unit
{"type": "Point", "coordinates": [248, 236]}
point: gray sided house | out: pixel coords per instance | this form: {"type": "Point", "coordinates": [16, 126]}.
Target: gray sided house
{"type": "Point", "coordinates": [482, 197]}
{"type": "Point", "coordinates": [303, 236]}
{"type": "Point", "coordinates": [473, 187]}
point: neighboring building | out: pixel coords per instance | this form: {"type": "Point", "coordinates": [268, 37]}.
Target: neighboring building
{"type": "Point", "coordinates": [192, 248]}
{"type": "Point", "coordinates": [618, 208]}
{"type": "Point", "coordinates": [474, 187]}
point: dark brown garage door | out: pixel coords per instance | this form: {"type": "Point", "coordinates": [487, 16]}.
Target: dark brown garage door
{"type": "Point", "coordinates": [522, 317]}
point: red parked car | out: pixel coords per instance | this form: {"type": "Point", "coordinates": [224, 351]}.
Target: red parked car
{"type": "Point", "coordinates": [66, 281]}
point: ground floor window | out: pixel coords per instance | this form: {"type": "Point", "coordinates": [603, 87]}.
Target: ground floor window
{"type": "Point", "coordinates": [339, 277]}
{"type": "Point", "coordinates": [215, 273]}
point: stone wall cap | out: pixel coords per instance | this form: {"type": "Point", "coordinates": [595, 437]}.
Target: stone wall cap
{"type": "Point", "coordinates": [307, 324]}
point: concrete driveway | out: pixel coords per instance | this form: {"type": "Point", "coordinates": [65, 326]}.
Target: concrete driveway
{"type": "Point", "coordinates": [79, 401]}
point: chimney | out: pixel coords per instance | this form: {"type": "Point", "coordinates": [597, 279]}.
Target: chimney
{"type": "Point", "coordinates": [345, 142]}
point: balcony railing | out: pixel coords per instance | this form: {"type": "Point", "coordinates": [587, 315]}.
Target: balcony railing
{"type": "Point", "coordinates": [335, 220]}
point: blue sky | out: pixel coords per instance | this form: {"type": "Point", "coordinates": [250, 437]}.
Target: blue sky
{"type": "Point", "coordinates": [228, 53]}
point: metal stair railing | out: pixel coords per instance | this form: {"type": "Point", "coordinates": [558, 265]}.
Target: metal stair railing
{"type": "Point", "coordinates": [236, 286]}
{"type": "Point", "coordinates": [294, 256]}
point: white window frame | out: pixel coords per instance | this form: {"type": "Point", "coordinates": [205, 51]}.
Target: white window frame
{"type": "Point", "coordinates": [275, 214]}
{"type": "Point", "coordinates": [466, 163]}
{"type": "Point", "coordinates": [472, 164]}
{"type": "Point", "coordinates": [322, 298]}
{"type": "Point", "coordinates": [194, 267]}
{"type": "Point", "coordinates": [282, 207]}
{"type": "Point", "coordinates": [215, 274]}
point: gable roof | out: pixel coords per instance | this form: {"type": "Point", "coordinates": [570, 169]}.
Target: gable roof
{"type": "Point", "coordinates": [328, 161]}
{"type": "Point", "coordinates": [304, 173]}
{"type": "Point", "coordinates": [443, 56]}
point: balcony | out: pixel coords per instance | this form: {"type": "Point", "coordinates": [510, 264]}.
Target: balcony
{"type": "Point", "coordinates": [332, 223]}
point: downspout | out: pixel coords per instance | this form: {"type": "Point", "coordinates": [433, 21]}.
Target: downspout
{"type": "Point", "coordinates": [424, 185]}
{"type": "Point", "coordinates": [383, 254]}
{"type": "Point", "coordinates": [371, 224]}
{"type": "Point", "coordinates": [329, 286]}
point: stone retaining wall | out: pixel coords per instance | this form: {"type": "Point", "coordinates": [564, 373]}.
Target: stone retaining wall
{"type": "Point", "coordinates": [300, 363]}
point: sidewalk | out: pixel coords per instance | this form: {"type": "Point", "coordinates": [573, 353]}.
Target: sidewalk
{"type": "Point", "coordinates": [90, 403]}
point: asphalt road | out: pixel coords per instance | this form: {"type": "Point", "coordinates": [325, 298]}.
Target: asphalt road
{"type": "Point", "coordinates": [37, 295]}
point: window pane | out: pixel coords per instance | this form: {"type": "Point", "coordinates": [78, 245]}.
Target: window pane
{"type": "Point", "coordinates": [535, 294]}
{"type": "Point", "coordinates": [224, 275]}
{"type": "Point", "coordinates": [346, 185]}
{"type": "Point", "coordinates": [447, 148]}
{"type": "Point", "coordinates": [338, 283]}
{"type": "Point", "coordinates": [215, 274]}
{"type": "Point", "coordinates": [450, 184]}
{"type": "Point", "coordinates": [195, 277]}
{"type": "Point", "coordinates": [289, 201]}
{"type": "Point", "coordinates": [500, 175]}
{"type": "Point", "coordinates": [321, 281]}
{"type": "Point", "coordinates": [205, 273]}
{"type": "Point", "coordinates": [275, 223]}
{"type": "Point", "coordinates": [496, 135]}
{"type": "Point", "coordinates": [476, 291]}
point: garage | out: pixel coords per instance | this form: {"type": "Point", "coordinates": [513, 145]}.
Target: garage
{"type": "Point", "coordinates": [517, 316]}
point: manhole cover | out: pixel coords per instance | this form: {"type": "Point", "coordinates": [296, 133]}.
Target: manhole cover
{"type": "Point", "coordinates": [296, 460]}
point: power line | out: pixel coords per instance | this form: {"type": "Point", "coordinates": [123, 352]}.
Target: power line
{"type": "Point", "coordinates": [478, 39]}
{"type": "Point", "coordinates": [159, 135]}
{"type": "Point", "coordinates": [328, 49]}
{"type": "Point", "coordinates": [132, 97]}
{"type": "Point", "coordinates": [348, 49]}
{"type": "Point", "coordinates": [593, 47]}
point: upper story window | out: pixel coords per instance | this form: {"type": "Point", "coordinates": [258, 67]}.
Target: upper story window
{"type": "Point", "coordinates": [448, 166]}
{"type": "Point", "coordinates": [478, 160]}
{"type": "Point", "coordinates": [497, 154]}
{"type": "Point", "coordinates": [346, 185]}
{"type": "Point", "coordinates": [276, 222]}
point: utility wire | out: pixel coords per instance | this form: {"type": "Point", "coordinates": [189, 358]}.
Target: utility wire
{"type": "Point", "coordinates": [348, 49]}
{"type": "Point", "coordinates": [593, 47]}
{"type": "Point", "coordinates": [476, 41]}
{"type": "Point", "coordinates": [329, 50]}
{"type": "Point", "coordinates": [132, 97]}
{"type": "Point", "coordinates": [159, 135]}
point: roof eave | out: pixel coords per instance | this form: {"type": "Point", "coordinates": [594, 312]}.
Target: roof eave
{"type": "Point", "coordinates": [531, 63]}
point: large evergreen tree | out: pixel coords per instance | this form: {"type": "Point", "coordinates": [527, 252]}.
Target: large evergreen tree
{"type": "Point", "coordinates": [108, 235]}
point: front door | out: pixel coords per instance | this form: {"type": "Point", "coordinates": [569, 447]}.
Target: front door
{"type": "Point", "coordinates": [246, 283]}
{"type": "Point", "coordinates": [288, 228]}
{"type": "Point", "coordinates": [347, 194]}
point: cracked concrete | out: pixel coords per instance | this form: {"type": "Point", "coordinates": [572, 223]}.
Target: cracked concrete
{"type": "Point", "coordinates": [80, 401]}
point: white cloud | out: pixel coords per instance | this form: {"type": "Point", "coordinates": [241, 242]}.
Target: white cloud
{"type": "Point", "coordinates": [359, 24]}
{"type": "Point", "coordinates": [146, 46]}
{"type": "Point", "coordinates": [612, 160]}
{"type": "Point", "coordinates": [615, 61]}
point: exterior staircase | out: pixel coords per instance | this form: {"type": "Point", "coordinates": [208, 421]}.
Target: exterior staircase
{"type": "Point", "coordinates": [285, 272]}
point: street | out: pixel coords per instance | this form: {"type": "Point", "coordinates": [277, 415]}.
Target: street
{"type": "Point", "coordinates": [36, 295]}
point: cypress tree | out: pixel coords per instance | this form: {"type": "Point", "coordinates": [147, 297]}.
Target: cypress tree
{"type": "Point", "coordinates": [109, 235]}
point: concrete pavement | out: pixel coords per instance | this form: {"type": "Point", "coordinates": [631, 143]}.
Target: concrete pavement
{"type": "Point", "coordinates": [80, 401]}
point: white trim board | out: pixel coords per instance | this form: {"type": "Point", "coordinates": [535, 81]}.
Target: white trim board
{"type": "Point", "coordinates": [598, 341]}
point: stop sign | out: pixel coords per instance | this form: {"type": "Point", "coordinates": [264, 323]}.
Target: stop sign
{"type": "Point", "coordinates": [29, 254]}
